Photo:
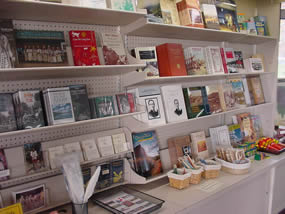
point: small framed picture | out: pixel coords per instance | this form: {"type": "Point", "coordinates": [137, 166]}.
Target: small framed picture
{"type": "Point", "coordinates": [31, 199]}
{"type": "Point", "coordinates": [152, 108]}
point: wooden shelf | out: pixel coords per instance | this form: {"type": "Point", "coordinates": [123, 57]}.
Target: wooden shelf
{"type": "Point", "coordinates": [149, 29]}
{"type": "Point", "coordinates": [55, 12]}
{"type": "Point", "coordinates": [65, 71]}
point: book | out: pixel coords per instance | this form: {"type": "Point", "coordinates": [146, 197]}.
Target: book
{"type": "Point", "coordinates": [147, 55]}
{"type": "Point", "coordinates": [260, 28]}
{"type": "Point", "coordinates": [174, 104]}
{"type": "Point", "coordinates": [28, 109]}
{"type": "Point", "coordinates": [54, 153]}
{"type": "Point", "coordinates": [74, 148]}
{"type": "Point", "coordinates": [125, 103]}
{"type": "Point", "coordinates": [199, 146]}
{"type": "Point", "coordinates": [171, 60]}
{"type": "Point", "coordinates": [150, 98]}
{"type": "Point", "coordinates": [239, 61]}
{"type": "Point", "coordinates": [113, 48]}
{"type": "Point", "coordinates": [105, 146]}
{"type": "Point", "coordinates": [15, 209]}
{"type": "Point", "coordinates": [169, 12]}
{"type": "Point", "coordinates": [117, 167]}
{"type": "Point", "coordinates": [90, 150]}
{"type": "Point", "coordinates": [86, 174]}
{"type": "Point", "coordinates": [251, 28]}
{"type": "Point", "coordinates": [92, 104]}
{"type": "Point", "coordinates": [146, 153]}
{"type": "Point", "coordinates": [37, 48]}
{"type": "Point", "coordinates": [223, 57]}
{"type": "Point", "coordinates": [230, 60]}
{"type": "Point", "coordinates": [31, 199]}
{"type": "Point", "coordinates": [8, 55]}
{"type": "Point", "coordinates": [195, 61]}
{"type": "Point", "coordinates": [196, 102]}
{"type": "Point", "coordinates": [214, 98]}
{"type": "Point", "coordinates": [246, 126]}
{"type": "Point", "coordinates": [255, 90]}
{"type": "Point", "coordinates": [119, 143]}
{"type": "Point", "coordinates": [104, 106]}
{"type": "Point", "coordinates": [235, 134]}
{"type": "Point", "coordinates": [263, 19]}
{"type": "Point", "coordinates": [229, 97]}
{"type": "Point", "coordinates": [214, 60]}
{"type": "Point", "coordinates": [58, 105]}
{"type": "Point", "coordinates": [105, 177]}
{"type": "Point", "coordinates": [84, 48]}
{"type": "Point", "coordinates": [178, 147]}
{"type": "Point", "coordinates": [34, 161]}
{"type": "Point", "coordinates": [153, 10]}
{"type": "Point", "coordinates": [189, 13]}
{"type": "Point", "coordinates": [248, 98]}
{"type": "Point", "coordinates": [4, 171]}
{"type": "Point", "coordinates": [227, 15]}
{"type": "Point", "coordinates": [210, 16]}
{"type": "Point", "coordinates": [257, 125]}
{"type": "Point", "coordinates": [15, 159]}
{"type": "Point", "coordinates": [7, 113]}
{"type": "Point", "coordinates": [127, 5]}
{"type": "Point", "coordinates": [238, 89]}
{"type": "Point", "coordinates": [94, 3]}
{"type": "Point", "coordinates": [253, 65]}
{"type": "Point", "coordinates": [220, 136]}
{"type": "Point", "coordinates": [80, 103]}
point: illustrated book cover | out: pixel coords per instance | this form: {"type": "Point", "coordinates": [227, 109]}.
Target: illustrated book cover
{"type": "Point", "coordinates": [4, 171]}
{"type": "Point", "coordinates": [214, 98]}
{"type": "Point", "coordinates": [246, 125]}
{"type": "Point", "coordinates": [235, 134]}
{"type": "Point", "coordinates": [178, 147]}
{"type": "Point", "coordinates": [210, 16]}
{"type": "Point", "coordinates": [255, 90]}
{"type": "Point", "coordinates": [229, 96]}
{"type": "Point", "coordinates": [214, 60]}
{"type": "Point", "coordinates": [34, 161]}
{"type": "Point", "coordinates": [153, 9]}
{"type": "Point", "coordinates": [117, 167]}
{"type": "Point", "coordinates": [195, 61]}
{"type": "Point", "coordinates": [230, 60]}
{"type": "Point", "coordinates": [169, 12]}
{"type": "Point", "coordinates": [257, 125]}
{"type": "Point", "coordinates": [7, 113]}
{"type": "Point", "coordinates": [253, 65]}
{"type": "Point", "coordinates": [238, 89]}
{"type": "Point", "coordinates": [146, 153]}
{"type": "Point", "coordinates": [199, 146]}
{"type": "Point", "coordinates": [128, 5]}
{"type": "Point", "coordinates": [125, 103]}
{"type": "Point", "coordinates": [105, 177]}
{"type": "Point", "coordinates": [104, 106]}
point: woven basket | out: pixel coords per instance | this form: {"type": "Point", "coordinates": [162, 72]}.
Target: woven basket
{"type": "Point", "coordinates": [236, 169]}
{"type": "Point", "coordinates": [195, 177]}
{"type": "Point", "coordinates": [211, 171]}
{"type": "Point", "coordinates": [178, 181]}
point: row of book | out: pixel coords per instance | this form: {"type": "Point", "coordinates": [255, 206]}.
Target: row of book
{"type": "Point", "coordinates": [172, 103]}
{"type": "Point", "coordinates": [34, 109]}
{"type": "Point", "coordinates": [163, 60]}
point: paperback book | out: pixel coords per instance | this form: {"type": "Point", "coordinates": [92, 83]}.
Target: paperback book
{"type": "Point", "coordinates": [7, 113]}
{"type": "Point", "coordinates": [255, 90]}
{"type": "Point", "coordinates": [227, 15]}
{"type": "Point", "coordinates": [253, 65]}
{"type": "Point", "coordinates": [74, 148]}
{"type": "Point", "coordinates": [239, 61]}
{"type": "Point", "coordinates": [126, 103]}
{"type": "Point", "coordinates": [90, 150]}
{"type": "Point", "coordinates": [195, 61]}
{"type": "Point", "coordinates": [119, 143]}
{"type": "Point", "coordinates": [128, 5]}
{"type": "Point", "coordinates": [4, 171]}
{"type": "Point", "coordinates": [34, 161]}
{"type": "Point", "coordinates": [215, 98]}
{"type": "Point", "coordinates": [104, 106]}
{"type": "Point", "coordinates": [210, 16]}
{"type": "Point", "coordinates": [230, 60]}
{"type": "Point", "coordinates": [199, 146]}
{"type": "Point", "coordinates": [235, 134]}
{"type": "Point", "coordinates": [105, 177]}
{"type": "Point", "coordinates": [54, 153]}
{"type": "Point", "coordinates": [153, 9]}
{"type": "Point", "coordinates": [263, 19]}
{"type": "Point", "coordinates": [105, 145]}
{"type": "Point", "coordinates": [214, 60]}
{"type": "Point", "coordinates": [146, 154]}
{"type": "Point", "coordinates": [220, 137]}
{"type": "Point", "coordinates": [246, 125]}
{"type": "Point", "coordinates": [251, 28]}
{"type": "Point", "coordinates": [169, 12]}
{"type": "Point", "coordinates": [229, 97]}
{"type": "Point", "coordinates": [257, 125]}
{"type": "Point", "coordinates": [92, 104]}
{"type": "Point", "coordinates": [117, 167]}
{"type": "Point", "coordinates": [238, 89]}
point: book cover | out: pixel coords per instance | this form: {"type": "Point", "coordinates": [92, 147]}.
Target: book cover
{"type": "Point", "coordinates": [74, 148]}
{"type": "Point", "coordinates": [105, 146]}
{"type": "Point", "coordinates": [84, 48]}
{"type": "Point", "coordinates": [260, 28]}
{"type": "Point", "coordinates": [248, 97]}
{"type": "Point", "coordinates": [59, 105]}
{"type": "Point", "coordinates": [153, 10]}
{"type": "Point", "coordinates": [224, 60]}
{"type": "Point", "coordinates": [120, 143]}
{"type": "Point", "coordinates": [254, 65]}
{"type": "Point", "coordinates": [239, 61]}
{"type": "Point", "coordinates": [235, 133]}
{"type": "Point", "coordinates": [257, 125]}
{"type": "Point", "coordinates": [148, 55]}
{"type": "Point", "coordinates": [264, 20]}
{"type": "Point", "coordinates": [3, 166]}
{"type": "Point", "coordinates": [220, 136]}
{"type": "Point", "coordinates": [105, 177]}
{"type": "Point", "coordinates": [230, 60]}
{"type": "Point", "coordinates": [113, 49]}
{"type": "Point", "coordinates": [174, 104]}
{"type": "Point", "coordinates": [171, 60]}
{"type": "Point", "coordinates": [246, 125]}
{"type": "Point", "coordinates": [196, 102]}
{"type": "Point", "coordinates": [86, 173]}
{"type": "Point", "coordinates": [7, 113]}
{"type": "Point", "coordinates": [195, 61]}
{"type": "Point", "coordinates": [92, 104]}
{"type": "Point", "coordinates": [90, 150]}
{"type": "Point", "coordinates": [146, 153]}
{"type": "Point", "coordinates": [199, 146]}
{"type": "Point", "coordinates": [255, 90]}
{"type": "Point", "coordinates": [214, 60]}
{"type": "Point", "coordinates": [34, 161]}
{"type": "Point", "coordinates": [214, 101]}
{"type": "Point", "coordinates": [80, 102]}
{"type": "Point", "coordinates": [28, 108]}
{"type": "Point", "coordinates": [210, 16]}
{"type": "Point", "coordinates": [54, 153]}
{"type": "Point", "coordinates": [94, 3]}
{"type": "Point", "coordinates": [117, 171]}
{"type": "Point", "coordinates": [251, 28]}
{"type": "Point", "coordinates": [8, 55]}
{"type": "Point", "coordinates": [125, 103]}
{"type": "Point", "coordinates": [227, 16]}
{"type": "Point", "coordinates": [178, 147]}
{"type": "Point", "coordinates": [104, 106]}
{"type": "Point", "coordinates": [41, 48]}
{"type": "Point", "coordinates": [169, 12]}
{"type": "Point", "coordinates": [229, 96]}
{"type": "Point", "coordinates": [128, 5]}
{"type": "Point", "coordinates": [238, 89]}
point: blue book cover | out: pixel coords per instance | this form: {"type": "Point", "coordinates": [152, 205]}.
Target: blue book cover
{"type": "Point", "coordinates": [117, 171]}
{"type": "Point", "coordinates": [235, 133]}
{"type": "Point", "coordinates": [146, 152]}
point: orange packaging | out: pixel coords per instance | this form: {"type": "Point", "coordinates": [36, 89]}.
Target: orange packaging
{"type": "Point", "coordinates": [171, 60]}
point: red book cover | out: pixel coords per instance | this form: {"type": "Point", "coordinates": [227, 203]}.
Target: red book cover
{"type": "Point", "coordinates": [224, 60]}
{"type": "Point", "coordinates": [84, 48]}
{"type": "Point", "coordinates": [126, 103]}
{"type": "Point", "coordinates": [171, 60]}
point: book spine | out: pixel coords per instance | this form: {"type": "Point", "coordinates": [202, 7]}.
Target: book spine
{"type": "Point", "coordinates": [224, 60]}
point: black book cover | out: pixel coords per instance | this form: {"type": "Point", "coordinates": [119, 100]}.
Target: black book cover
{"type": "Point", "coordinates": [117, 171]}
{"type": "Point", "coordinates": [104, 177]}
{"type": "Point", "coordinates": [7, 113]}
{"type": "Point", "coordinates": [80, 102]}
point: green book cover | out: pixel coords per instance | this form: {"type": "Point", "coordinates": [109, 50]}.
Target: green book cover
{"type": "Point", "coordinates": [104, 106]}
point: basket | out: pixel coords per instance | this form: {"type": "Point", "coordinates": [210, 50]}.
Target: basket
{"type": "Point", "coordinates": [195, 177]}
{"type": "Point", "coordinates": [211, 171]}
{"type": "Point", "coordinates": [236, 169]}
{"type": "Point", "coordinates": [178, 181]}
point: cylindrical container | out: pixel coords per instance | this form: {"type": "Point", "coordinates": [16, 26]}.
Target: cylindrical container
{"type": "Point", "coordinates": [80, 208]}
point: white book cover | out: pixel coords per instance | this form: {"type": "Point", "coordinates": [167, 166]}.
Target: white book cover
{"type": "Point", "coordinates": [94, 3]}
{"type": "Point", "coordinates": [105, 145]}
{"type": "Point", "coordinates": [74, 148]}
{"type": "Point", "coordinates": [246, 92]}
{"type": "Point", "coordinates": [195, 61]}
{"type": "Point", "coordinates": [230, 60]}
{"type": "Point", "coordinates": [150, 98]}
{"type": "Point", "coordinates": [174, 103]}
{"type": "Point", "coordinates": [128, 5]}
{"type": "Point", "coordinates": [253, 65]}
{"type": "Point", "coordinates": [54, 154]}
{"type": "Point", "coordinates": [199, 145]}
{"type": "Point", "coordinates": [90, 149]}
{"type": "Point", "coordinates": [119, 143]}
{"type": "Point", "coordinates": [220, 136]}
{"type": "Point", "coordinates": [214, 60]}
